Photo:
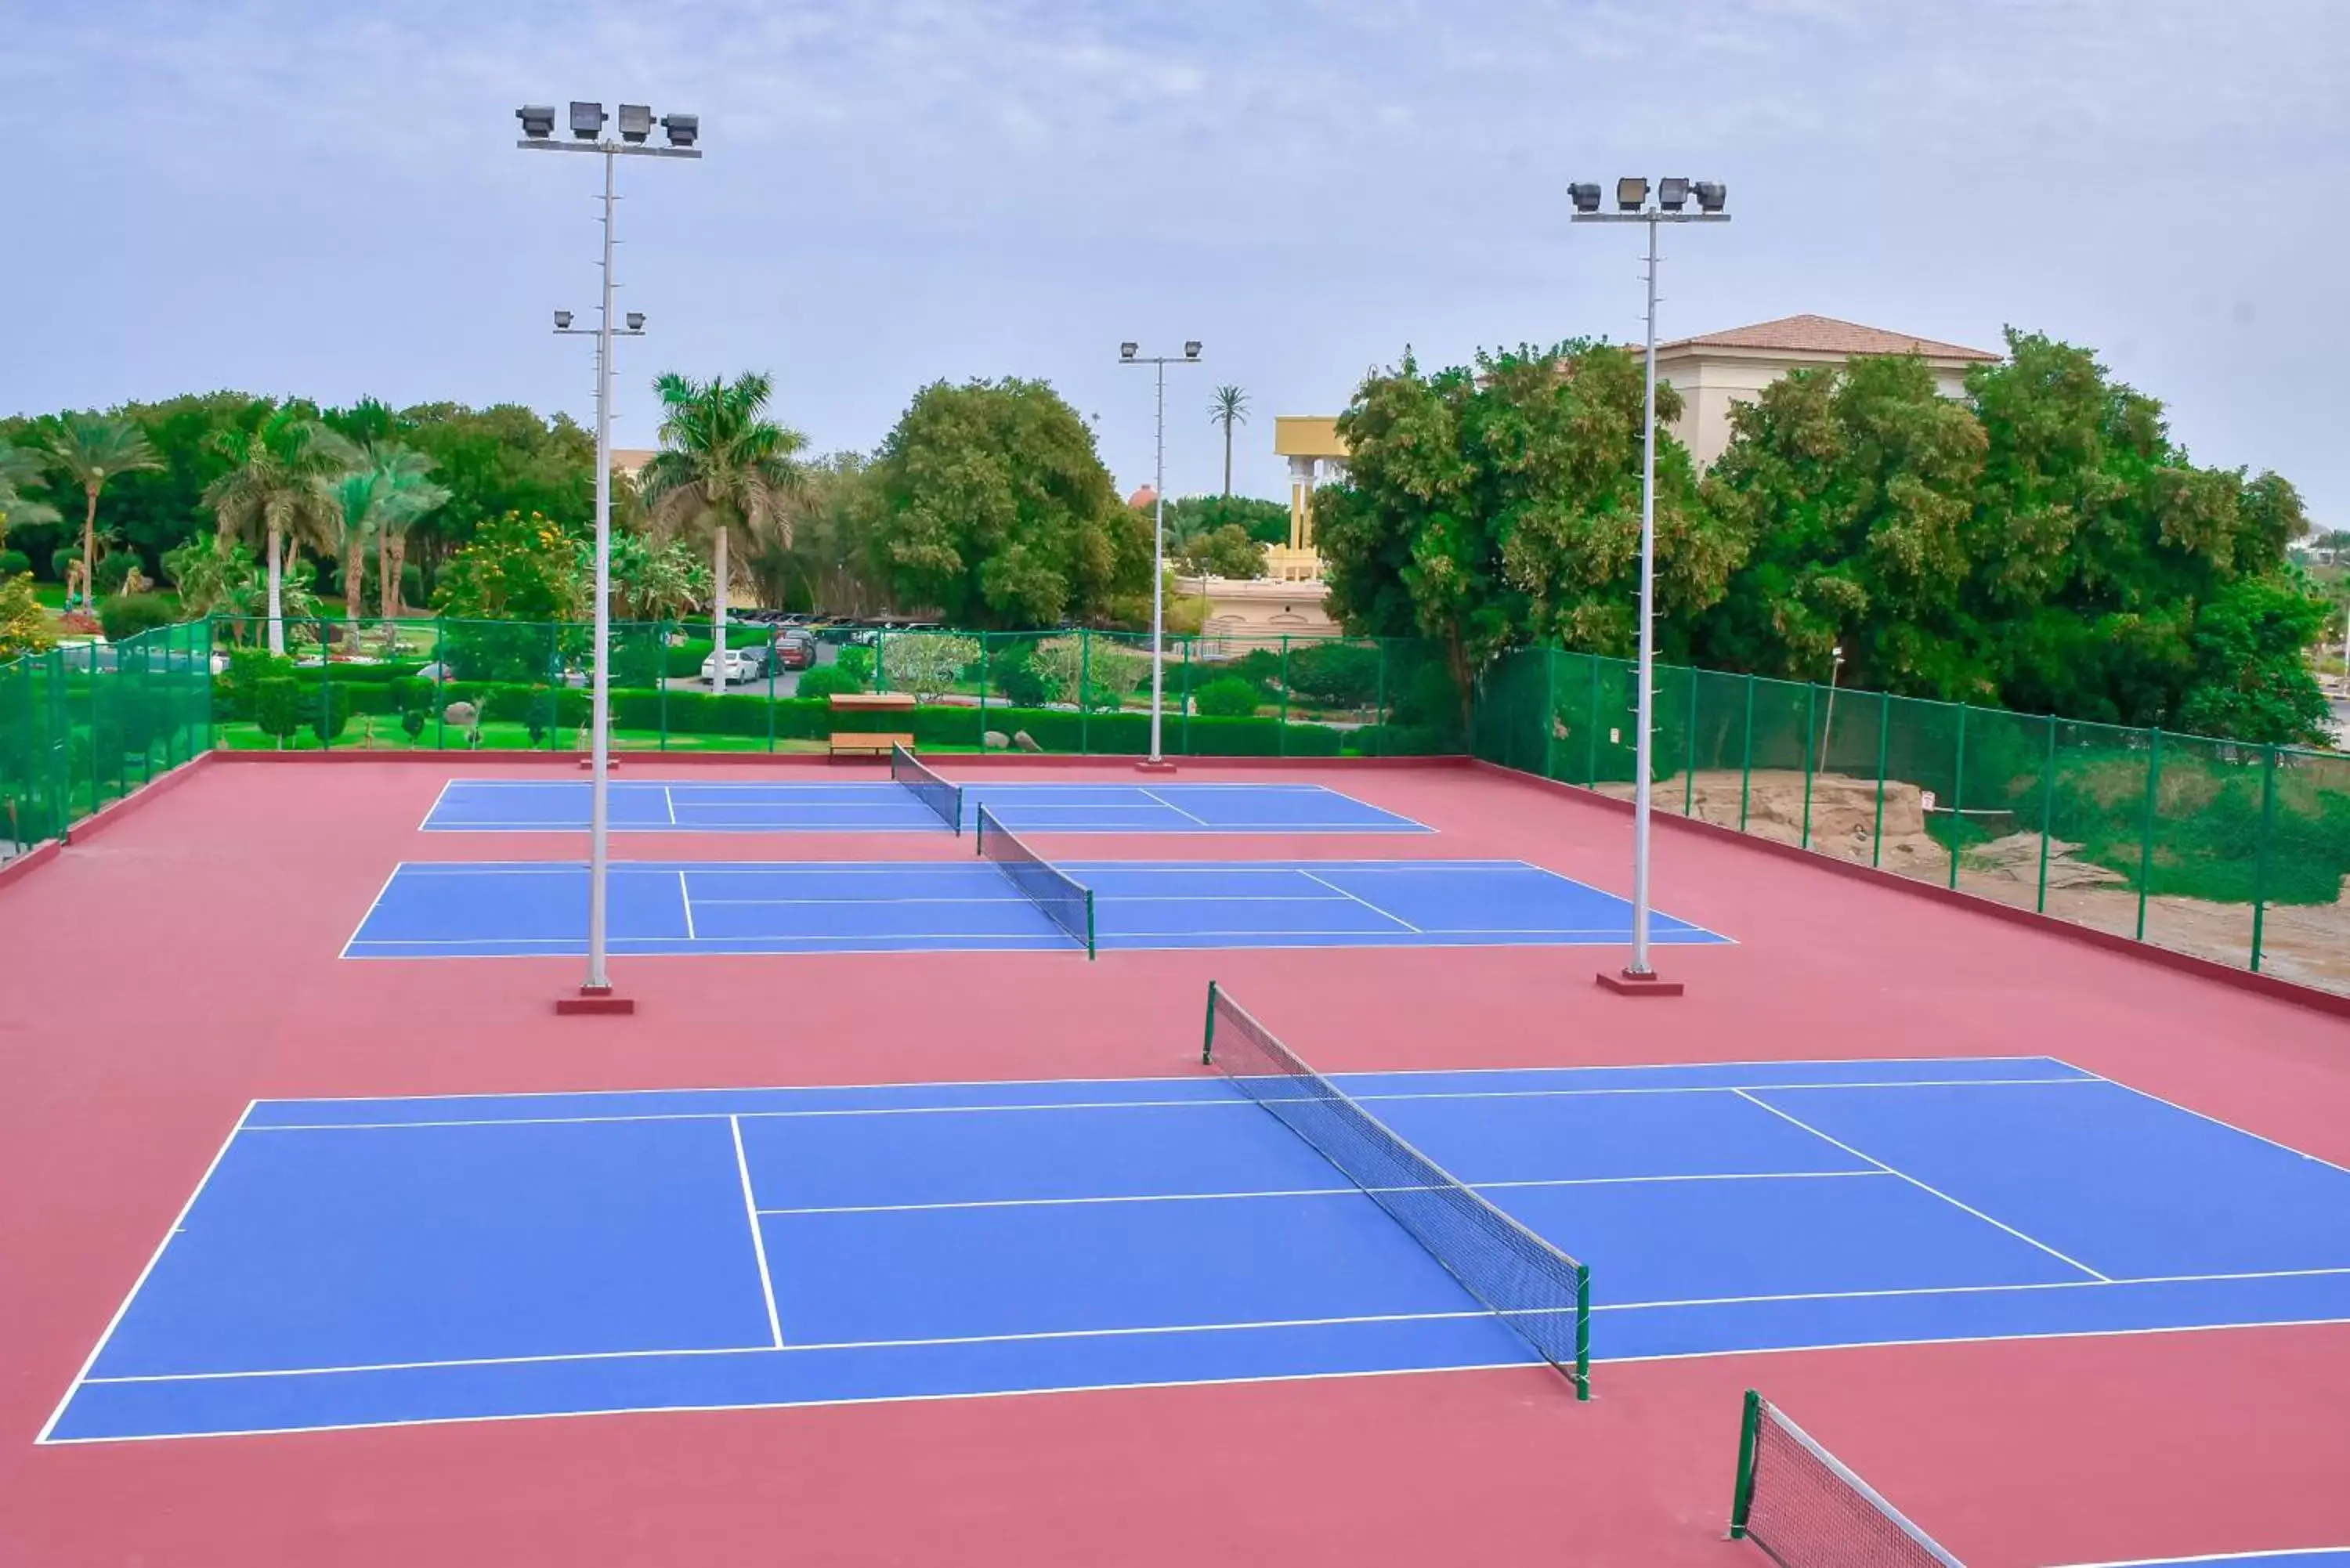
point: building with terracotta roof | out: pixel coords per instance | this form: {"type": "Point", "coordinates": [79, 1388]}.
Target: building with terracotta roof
{"type": "Point", "coordinates": [1722, 368]}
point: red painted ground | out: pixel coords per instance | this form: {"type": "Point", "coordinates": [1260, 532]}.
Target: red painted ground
{"type": "Point", "coordinates": [155, 980]}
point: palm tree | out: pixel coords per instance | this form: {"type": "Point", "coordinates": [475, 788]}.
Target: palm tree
{"type": "Point", "coordinates": [277, 486]}
{"type": "Point", "coordinates": [377, 502]}
{"type": "Point", "coordinates": [19, 468]}
{"type": "Point", "coordinates": [723, 466]}
{"type": "Point", "coordinates": [90, 449]}
{"type": "Point", "coordinates": [1228, 408]}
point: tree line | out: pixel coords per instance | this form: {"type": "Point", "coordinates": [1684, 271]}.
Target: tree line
{"type": "Point", "coordinates": [2040, 543]}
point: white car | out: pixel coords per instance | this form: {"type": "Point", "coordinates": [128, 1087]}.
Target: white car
{"type": "Point", "coordinates": [743, 665]}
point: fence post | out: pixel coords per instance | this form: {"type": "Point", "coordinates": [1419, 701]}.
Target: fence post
{"type": "Point", "coordinates": [2260, 855]}
{"type": "Point", "coordinates": [771, 693]}
{"type": "Point", "coordinates": [2145, 837]}
{"type": "Point", "coordinates": [1085, 691]}
{"type": "Point", "coordinates": [1591, 727]}
{"type": "Point", "coordinates": [2047, 816]}
{"type": "Point", "coordinates": [439, 672]}
{"type": "Point", "coordinates": [1548, 729]}
{"type": "Point", "coordinates": [1746, 759]}
{"type": "Point", "coordinates": [1811, 701]}
{"type": "Point", "coordinates": [983, 691]}
{"type": "Point", "coordinates": [1883, 759]}
{"type": "Point", "coordinates": [1959, 797]}
{"type": "Point", "coordinates": [211, 740]}
{"type": "Point", "coordinates": [326, 690]}
{"type": "Point", "coordinates": [1184, 734]}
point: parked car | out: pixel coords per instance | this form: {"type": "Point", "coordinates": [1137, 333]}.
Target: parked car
{"type": "Point", "coordinates": [742, 665]}
{"type": "Point", "coordinates": [794, 649]}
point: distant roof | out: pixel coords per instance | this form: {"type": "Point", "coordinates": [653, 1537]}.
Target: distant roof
{"type": "Point", "coordinates": [630, 459]}
{"type": "Point", "coordinates": [1827, 335]}
{"type": "Point", "coordinates": [1146, 496]}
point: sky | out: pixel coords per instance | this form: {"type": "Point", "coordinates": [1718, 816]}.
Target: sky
{"type": "Point", "coordinates": [326, 199]}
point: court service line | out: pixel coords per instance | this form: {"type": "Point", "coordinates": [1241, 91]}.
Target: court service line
{"type": "Point", "coordinates": [685, 897]}
{"type": "Point", "coordinates": [178, 1220]}
{"type": "Point", "coordinates": [1923, 1187]}
{"type": "Point", "coordinates": [669, 801]}
{"type": "Point", "coordinates": [1316, 1192]}
{"type": "Point", "coordinates": [1154, 795]}
{"type": "Point", "coordinates": [758, 1241]}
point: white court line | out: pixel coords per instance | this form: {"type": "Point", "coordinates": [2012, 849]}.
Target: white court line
{"type": "Point", "coordinates": [1922, 1186]}
{"type": "Point", "coordinates": [2206, 1117]}
{"type": "Point", "coordinates": [1197, 1077]}
{"type": "Point", "coordinates": [1319, 1192]}
{"type": "Point", "coordinates": [758, 1240]}
{"type": "Point", "coordinates": [425, 824]}
{"type": "Point", "coordinates": [1019, 898]}
{"type": "Point", "coordinates": [762, 946]}
{"type": "Point", "coordinates": [670, 801]}
{"type": "Point", "coordinates": [1177, 810]}
{"type": "Point", "coordinates": [140, 1283]}
{"type": "Point", "coordinates": [1149, 1331]}
{"type": "Point", "coordinates": [1383, 914]}
{"type": "Point", "coordinates": [1220, 1102]}
{"type": "Point", "coordinates": [372, 905]}
{"type": "Point", "coordinates": [685, 897]}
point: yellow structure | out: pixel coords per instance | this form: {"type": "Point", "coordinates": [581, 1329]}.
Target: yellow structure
{"type": "Point", "coordinates": [1287, 601]}
{"type": "Point", "coordinates": [1316, 456]}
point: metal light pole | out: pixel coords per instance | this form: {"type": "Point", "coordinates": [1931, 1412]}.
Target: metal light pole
{"type": "Point", "coordinates": [1127, 355]}
{"type": "Point", "coordinates": [586, 123]}
{"type": "Point", "coordinates": [1633, 206]}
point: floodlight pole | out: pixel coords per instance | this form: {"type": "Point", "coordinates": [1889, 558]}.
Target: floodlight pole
{"type": "Point", "coordinates": [595, 991]}
{"type": "Point", "coordinates": [1159, 362]}
{"type": "Point", "coordinates": [1638, 976]}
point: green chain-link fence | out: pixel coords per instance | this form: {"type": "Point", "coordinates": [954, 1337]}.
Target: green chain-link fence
{"type": "Point", "coordinates": [2226, 850]}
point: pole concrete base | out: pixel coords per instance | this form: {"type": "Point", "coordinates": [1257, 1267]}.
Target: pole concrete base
{"type": "Point", "coordinates": [1624, 983]}
{"type": "Point", "coordinates": [594, 1001]}
{"type": "Point", "coordinates": [1161, 766]}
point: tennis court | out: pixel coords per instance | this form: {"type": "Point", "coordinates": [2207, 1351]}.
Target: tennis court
{"type": "Point", "coordinates": [652, 805]}
{"type": "Point", "coordinates": [353, 1262]}
{"type": "Point", "coordinates": [505, 908]}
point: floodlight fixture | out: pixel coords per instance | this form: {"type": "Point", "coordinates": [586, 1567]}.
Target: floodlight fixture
{"type": "Point", "coordinates": [1673, 194]}
{"type": "Point", "coordinates": [1710, 196]}
{"type": "Point", "coordinates": [636, 321]}
{"type": "Point", "coordinates": [538, 121]}
{"type": "Point", "coordinates": [683, 130]}
{"type": "Point", "coordinates": [635, 121]}
{"type": "Point", "coordinates": [563, 321]}
{"type": "Point", "coordinates": [1586, 197]}
{"type": "Point", "coordinates": [1127, 351]}
{"type": "Point", "coordinates": [587, 120]}
{"type": "Point", "coordinates": [1630, 192]}
{"type": "Point", "coordinates": [1192, 348]}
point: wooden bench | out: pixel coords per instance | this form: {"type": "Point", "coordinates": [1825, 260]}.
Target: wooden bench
{"type": "Point", "coordinates": [869, 742]}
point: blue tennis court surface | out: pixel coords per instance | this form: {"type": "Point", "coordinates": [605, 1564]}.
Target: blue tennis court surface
{"type": "Point", "coordinates": [354, 1262]}
{"type": "Point", "coordinates": [649, 805]}
{"type": "Point", "coordinates": [509, 908]}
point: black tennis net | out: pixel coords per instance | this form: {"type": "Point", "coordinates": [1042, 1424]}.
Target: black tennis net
{"type": "Point", "coordinates": [1518, 1277]}
{"type": "Point", "coordinates": [1805, 1510]}
{"type": "Point", "coordinates": [1068, 902]}
{"type": "Point", "coordinates": [932, 791]}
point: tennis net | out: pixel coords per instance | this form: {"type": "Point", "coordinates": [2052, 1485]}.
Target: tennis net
{"type": "Point", "coordinates": [1068, 902]}
{"type": "Point", "coordinates": [1520, 1278]}
{"type": "Point", "coordinates": [932, 791]}
{"type": "Point", "coordinates": [1799, 1504]}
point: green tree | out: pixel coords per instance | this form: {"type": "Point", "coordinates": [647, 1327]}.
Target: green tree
{"type": "Point", "coordinates": [24, 623]}
{"type": "Point", "coordinates": [1189, 517]}
{"type": "Point", "coordinates": [1225, 552]}
{"type": "Point", "coordinates": [88, 450]}
{"type": "Point", "coordinates": [276, 486]}
{"type": "Point", "coordinates": [989, 505]}
{"type": "Point", "coordinates": [522, 567]}
{"type": "Point", "coordinates": [725, 470]}
{"type": "Point", "coordinates": [492, 462]}
{"type": "Point", "coordinates": [209, 572]}
{"type": "Point", "coordinates": [929, 663]}
{"type": "Point", "coordinates": [21, 470]}
{"type": "Point", "coordinates": [649, 581]}
{"type": "Point", "coordinates": [1499, 503]}
{"type": "Point", "coordinates": [378, 500]}
{"type": "Point", "coordinates": [1854, 488]}
{"type": "Point", "coordinates": [1228, 408]}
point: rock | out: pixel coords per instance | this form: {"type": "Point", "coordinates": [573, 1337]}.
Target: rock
{"type": "Point", "coordinates": [1026, 741]}
{"type": "Point", "coordinates": [995, 740]}
{"type": "Point", "coordinates": [461, 714]}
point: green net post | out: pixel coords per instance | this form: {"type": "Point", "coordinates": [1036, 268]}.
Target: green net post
{"type": "Point", "coordinates": [1583, 1332]}
{"type": "Point", "coordinates": [1746, 759]}
{"type": "Point", "coordinates": [1883, 759]}
{"type": "Point", "coordinates": [2145, 837]}
{"type": "Point", "coordinates": [2260, 852]}
{"type": "Point", "coordinates": [1750, 1428]}
{"type": "Point", "coordinates": [1958, 797]}
{"type": "Point", "coordinates": [1811, 703]}
{"type": "Point", "coordinates": [1090, 951]}
{"type": "Point", "coordinates": [1208, 1039]}
{"type": "Point", "coordinates": [2047, 817]}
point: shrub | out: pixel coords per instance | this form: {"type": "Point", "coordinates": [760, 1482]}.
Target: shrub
{"type": "Point", "coordinates": [125, 616]}
{"type": "Point", "coordinates": [276, 707]}
{"type": "Point", "coordinates": [858, 659]}
{"type": "Point", "coordinates": [1335, 674]}
{"type": "Point", "coordinates": [114, 569]}
{"type": "Point", "coordinates": [828, 679]}
{"type": "Point", "coordinates": [15, 564]}
{"type": "Point", "coordinates": [539, 715]}
{"type": "Point", "coordinates": [1021, 681]}
{"type": "Point", "coordinates": [1226, 697]}
{"type": "Point", "coordinates": [683, 661]}
{"type": "Point", "coordinates": [62, 561]}
{"type": "Point", "coordinates": [329, 707]}
{"type": "Point", "coordinates": [411, 723]}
